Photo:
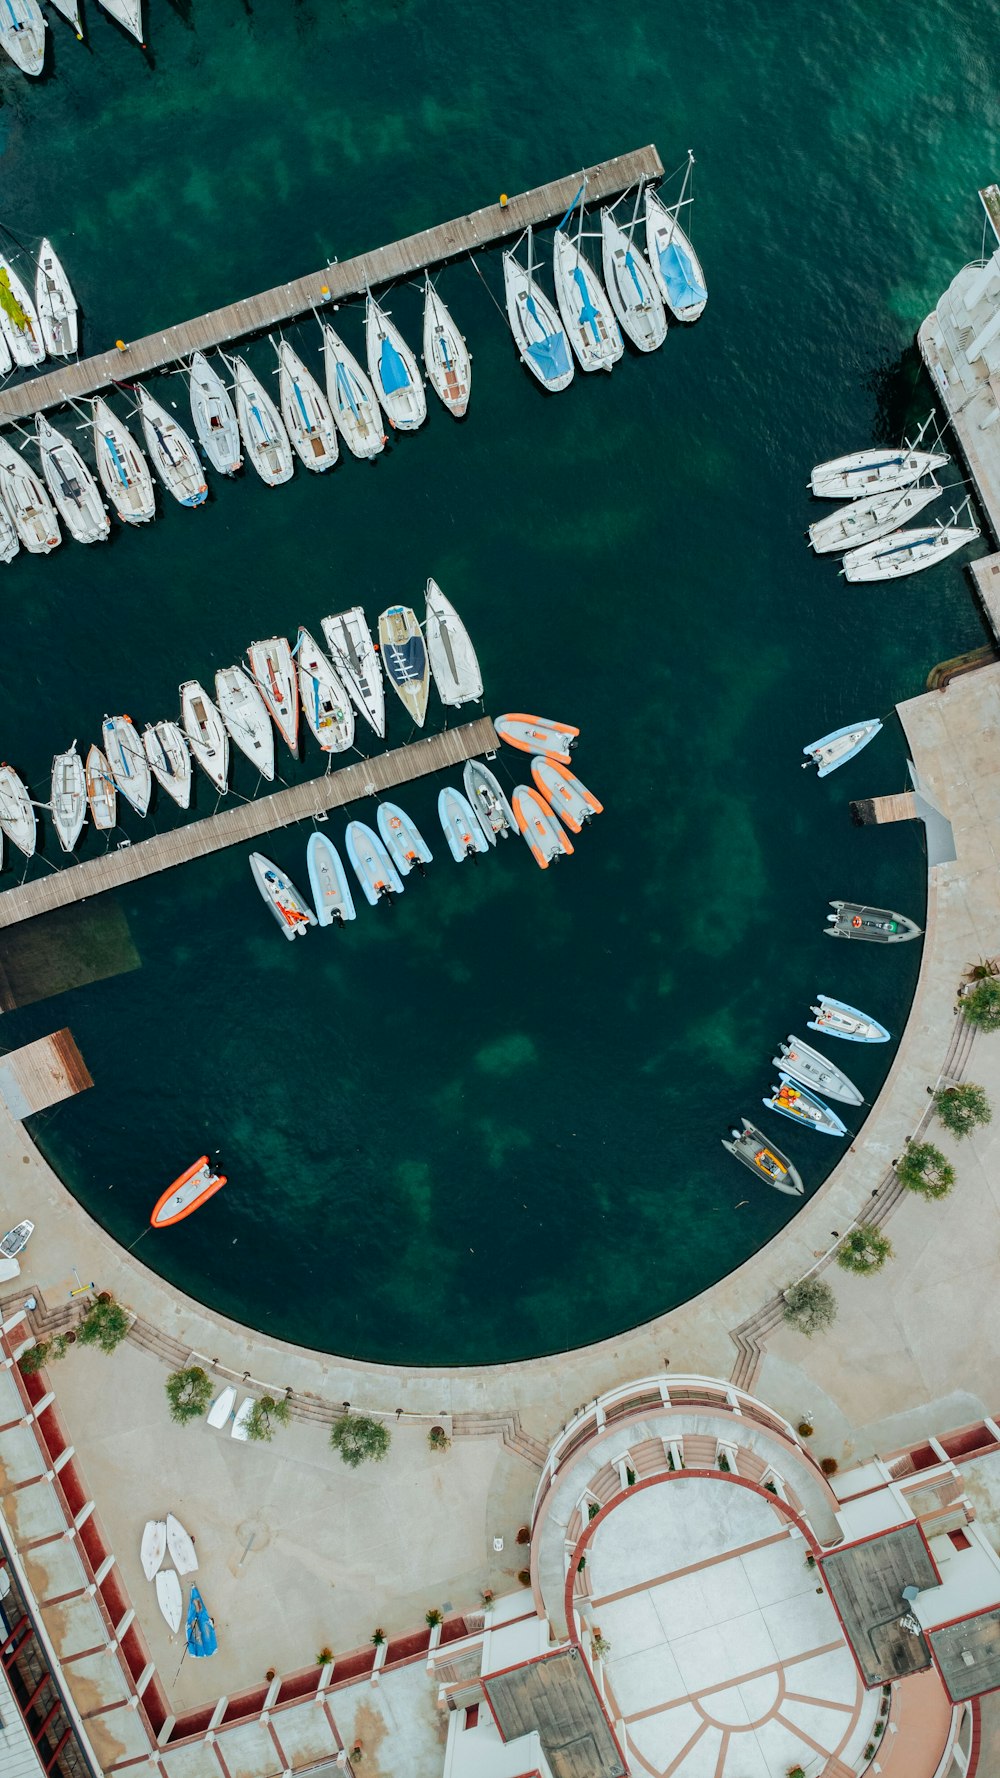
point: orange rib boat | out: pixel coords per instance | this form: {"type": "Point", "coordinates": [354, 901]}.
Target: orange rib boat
{"type": "Point", "coordinates": [537, 734]}
{"type": "Point", "coordinates": [187, 1194]}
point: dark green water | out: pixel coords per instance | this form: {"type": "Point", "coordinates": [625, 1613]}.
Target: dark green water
{"type": "Point", "coordinates": [487, 1123]}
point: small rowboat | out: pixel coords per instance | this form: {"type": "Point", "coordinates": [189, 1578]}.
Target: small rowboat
{"type": "Point", "coordinates": [807, 1066]}
{"type": "Point", "coordinates": [804, 1107]}
{"type": "Point", "coordinates": [101, 793]}
{"type": "Point", "coordinates": [69, 797]}
{"type": "Point", "coordinates": [373, 867]}
{"type": "Point", "coordinates": [407, 846]}
{"type": "Point", "coordinates": [461, 829]}
{"type": "Point", "coordinates": [447, 360]}
{"type": "Point", "coordinates": [167, 751]}
{"type": "Point", "coordinates": [153, 1547]}
{"type": "Point", "coordinates": [539, 827]}
{"type": "Point", "coordinates": [837, 1019]}
{"type": "Point", "coordinates": [879, 926]}
{"type": "Point", "coordinates": [764, 1159]}
{"type": "Point", "coordinates": [842, 744]}
{"type": "Point", "coordinates": [181, 1547]}
{"type": "Point", "coordinates": [536, 734]}
{"type": "Point", "coordinates": [290, 909]}
{"type": "Point", "coordinates": [328, 881]}
{"type": "Point", "coordinates": [187, 1194]}
{"type": "Point", "coordinates": [16, 1240]}
{"type": "Point", "coordinates": [571, 800]}
{"type": "Point", "coordinates": [168, 1598]}
{"type": "Point", "coordinates": [489, 804]}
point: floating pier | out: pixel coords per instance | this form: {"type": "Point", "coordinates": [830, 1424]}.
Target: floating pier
{"type": "Point", "coordinates": [249, 821]}
{"type": "Point", "coordinates": [345, 278]}
{"type": "Point", "coordinates": [875, 811]}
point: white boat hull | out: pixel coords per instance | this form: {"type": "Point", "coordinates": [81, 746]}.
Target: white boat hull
{"type": "Point", "coordinates": [73, 488]}
{"type": "Point", "coordinates": [168, 1598]}
{"type": "Point", "coordinates": [907, 552]}
{"type": "Point", "coordinates": [402, 838]}
{"type": "Point", "coordinates": [290, 909]}
{"type": "Point", "coordinates": [447, 359]}
{"type": "Point", "coordinates": [877, 471]}
{"type": "Point", "coordinates": [461, 829]}
{"type": "Point", "coordinates": [122, 468]}
{"type": "Point", "coordinates": [404, 657]}
{"type": "Point", "coordinates": [332, 898]}
{"type": "Point", "coordinates": [274, 674]}
{"type": "Point", "coordinates": [590, 325]}
{"type": "Point", "coordinates": [126, 756]}
{"type": "Point", "coordinates": [261, 428]}
{"type": "Point", "coordinates": [371, 863]}
{"type": "Point", "coordinates": [206, 733]}
{"type": "Point", "coordinates": [306, 412]}
{"type": "Point", "coordinates": [539, 335]}
{"type": "Point", "coordinates": [246, 717]}
{"type": "Point", "coordinates": [181, 1547]}
{"type": "Point", "coordinates": [394, 371]}
{"type": "Point", "coordinates": [127, 13]}
{"type": "Point", "coordinates": [631, 287]}
{"type": "Point", "coordinates": [325, 704]}
{"type": "Point", "coordinates": [865, 521]}
{"type": "Point", "coordinates": [69, 797]}
{"type": "Point", "coordinates": [25, 341]}
{"type": "Point", "coordinates": [222, 1408]}
{"type": "Point", "coordinates": [214, 417]}
{"type": "Point", "coordinates": [57, 309]}
{"type": "Point", "coordinates": [353, 654]}
{"type": "Point", "coordinates": [488, 802]}
{"type": "Point", "coordinates": [101, 793]}
{"type": "Point", "coordinates": [673, 262]}
{"type": "Point", "coordinates": [17, 815]}
{"type": "Point", "coordinates": [22, 35]}
{"type": "Point", "coordinates": [10, 543]}
{"type": "Point", "coordinates": [169, 760]}
{"type": "Point", "coordinates": [352, 399]}
{"type": "Point", "coordinates": [172, 453]}
{"type": "Point", "coordinates": [28, 503]}
{"type": "Point", "coordinates": [453, 660]}
{"type": "Point", "coordinates": [153, 1547]}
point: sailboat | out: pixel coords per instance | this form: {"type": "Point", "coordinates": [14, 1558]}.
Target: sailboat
{"type": "Point", "coordinates": [842, 744]}
{"type": "Point", "coordinates": [17, 813]}
{"type": "Point", "coordinates": [325, 704]}
{"type": "Point", "coordinates": [572, 801]}
{"type": "Point", "coordinates": [71, 485]}
{"type": "Point", "coordinates": [170, 761]}
{"type": "Point", "coordinates": [128, 13]}
{"type": "Point", "coordinates": [69, 797]}
{"type": "Point", "coordinates": [122, 467]}
{"type": "Point", "coordinates": [352, 398]}
{"type": "Point", "coordinates": [910, 552]}
{"type": "Point", "coordinates": [274, 673]}
{"type": "Point", "coordinates": [58, 315]}
{"type": "Point", "coordinates": [70, 10]}
{"type": "Point", "coordinates": [489, 804]}
{"type": "Point", "coordinates": [206, 733]}
{"type": "Point", "coordinates": [328, 882]}
{"type": "Point", "coordinates": [372, 865]}
{"type": "Point", "coordinates": [865, 520]}
{"type": "Point", "coordinates": [127, 758]}
{"type": "Point", "coordinates": [593, 332]}
{"type": "Point", "coordinates": [173, 453]}
{"type": "Point", "coordinates": [9, 540]}
{"type": "Point", "coordinates": [404, 657]}
{"type": "Point", "coordinates": [875, 471]}
{"type": "Point", "coordinates": [447, 359]}
{"type": "Point", "coordinates": [101, 793]}
{"type": "Point", "coordinates": [406, 844]}
{"type": "Point", "coordinates": [674, 263]}
{"type": "Point", "coordinates": [539, 827]}
{"type": "Point", "coordinates": [22, 34]}
{"type": "Point", "coordinates": [246, 716]}
{"type": "Point", "coordinates": [394, 371]}
{"type": "Point", "coordinates": [306, 412]}
{"type": "Point", "coordinates": [453, 659]}
{"type": "Point", "coordinates": [461, 829]}
{"type": "Point", "coordinates": [18, 317]}
{"type": "Point", "coordinates": [354, 656]}
{"type": "Point", "coordinates": [631, 286]}
{"type": "Point", "coordinates": [539, 335]}
{"type": "Point", "coordinates": [28, 503]}
{"type": "Point", "coordinates": [261, 427]}
{"type": "Point", "coordinates": [214, 417]}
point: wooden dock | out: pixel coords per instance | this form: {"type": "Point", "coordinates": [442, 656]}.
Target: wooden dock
{"type": "Point", "coordinates": [281, 808]}
{"type": "Point", "coordinates": [875, 811]}
{"type": "Point", "coordinates": [346, 278]}
{"type": "Point", "coordinates": [41, 1074]}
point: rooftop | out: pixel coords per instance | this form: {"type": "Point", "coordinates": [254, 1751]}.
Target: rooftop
{"type": "Point", "coordinates": [968, 1654]}
{"type": "Point", "coordinates": [866, 1581]}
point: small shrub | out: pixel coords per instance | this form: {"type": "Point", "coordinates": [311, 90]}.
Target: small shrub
{"type": "Point", "coordinates": [724, 1463]}
{"type": "Point", "coordinates": [581, 1565]}
{"type": "Point", "coordinates": [600, 1644]}
{"type": "Point", "coordinates": [923, 1168]}
{"type": "Point", "coordinates": [865, 1249]}
{"type": "Point", "coordinates": [323, 1657]}
{"type": "Point", "coordinates": [62, 1343]}
{"type": "Point", "coordinates": [105, 1324]}
{"type": "Point", "coordinates": [810, 1306]}
{"type": "Point", "coordinates": [188, 1394]}
{"type": "Point", "coordinates": [593, 1509]}
{"type": "Point", "coordinates": [630, 1475]}
{"type": "Point", "coordinates": [438, 1439]}
{"type": "Point", "coordinates": [829, 1466]}
{"type": "Point", "coordinates": [32, 1361]}
{"type": "Point", "coordinates": [982, 1007]}
{"type": "Point", "coordinates": [434, 1617]}
{"type": "Point", "coordinates": [796, 1772]}
{"type": "Point", "coordinates": [488, 1598]}
{"type": "Point", "coordinates": [962, 1109]}
{"type": "Point", "coordinates": [378, 1637]}
{"type": "Point", "coordinates": [524, 1577]}
{"type": "Point", "coordinates": [810, 1559]}
{"type": "Point", "coordinates": [357, 1438]}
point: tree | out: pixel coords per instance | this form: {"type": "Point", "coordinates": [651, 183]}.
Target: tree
{"type": "Point", "coordinates": [962, 1109]}
{"type": "Point", "coordinates": [810, 1306]}
{"type": "Point", "coordinates": [188, 1393]}
{"type": "Point", "coordinates": [359, 1439]}
{"type": "Point", "coordinates": [923, 1168]}
{"type": "Point", "coordinates": [264, 1416]}
{"type": "Point", "coordinates": [982, 1006]}
{"type": "Point", "coordinates": [36, 1356]}
{"type": "Point", "coordinates": [864, 1249]}
{"type": "Point", "coordinates": [104, 1325]}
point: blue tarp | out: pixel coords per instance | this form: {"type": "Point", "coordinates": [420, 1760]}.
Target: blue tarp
{"type": "Point", "coordinates": [344, 385]}
{"type": "Point", "coordinates": [200, 1632]}
{"type": "Point", "coordinates": [683, 287]}
{"type": "Point", "coordinates": [116, 460]}
{"type": "Point", "coordinates": [307, 423]}
{"type": "Point", "coordinates": [640, 288]}
{"type": "Point", "coordinates": [588, 313]}
{"type": "Point", "coordinates": [550, 353]}
{"type": "Point", "coordinates": [393, 371]}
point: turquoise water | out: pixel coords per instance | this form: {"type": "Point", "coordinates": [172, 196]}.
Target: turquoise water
{"type": "Point", "coordinates": [486, 1123]}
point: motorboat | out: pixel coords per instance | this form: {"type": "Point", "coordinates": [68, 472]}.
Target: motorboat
{"type": "Point", "coordinates": [101, 793]}
{"type": "Point", "coordinates": [168, 1587]}
{"type": "Point", "coordinates": [394, 371]}
{"type": "Point", "coordinates": [910, 552]}
{"type": "Point", "coordinates": [836, 1019]}
{"type": "Point", "coordinates": [173, 453]}
{"type": "Point", "coordinates": [461, 829]}
{"type": "Point", "coordinates": [325, 704]}
{"type": "Point", "coordinates": [865, 520]}
{"type": "Point", "coordinates": [447, 359]}
{"type": "Point", "coordinates": [261, 427]}
{"type": "Point", "coordinates": [331, 895]}
{"type": "Point", "coordinates": [181, 1547]}
{"type": "Point", "coordinates": [352, 398]}
{"type": "Point", "coordinates": [631, 286]}
{"type": "Point", "coordinates": [170, 760]}
{"type": "Point", "coordinates": [306, 412]}
{"type": "Point", "coordinates": [404, 657]}
{"type": "Point", "coordinates": [200, 1638]}
{"type": "Point", "coordinates": [672, 259]}
{"type": "Point", "coordinates": [810, 1069]}
{"type": "Point", "coordinates": [452, 657]}
{"type": "Point", "coordinates": [290, 909]}
{"type": "Point", "coordinates": [16, 1240]}
{"type": "Point", "coordinates": [189, 1191]}
{"type": "Point", "coordinates": [539, 827]}
{"type": "Point", "coordinates": [206, 732]}
{"type": "Point", "coordinates": [22, 34]}
{"type": "Point", "coordinates": [127, 758]}
{"type": "Point", "coordinates": [25, 498]}
{"type": "Point", "coordinates": [489, 804]}
{"type": "Point", "coordinates": [214, 417]}
{"type": "Point", "coordinates": [878, 926]}
{"type": "Point", "coordinates": [587, 316]}
{"type": "Point", "coordinates": [803, 1107]}
{"type": "Point", "coordinates": [153, 1547]}
{"type": "Point", "coordinates": [571, 801]}
{"type": "Point", "coordinates": [222, 1408]}
{"type": "Point", "coordinates": [875, 471]}
{"type": "Point", "coordinates": [372, 865]}
{"type": "Point", "coordinates": [539, 334]}
{"type": "Point", "coordinates": [10, 543]}
{"type": "Point", "coordinates": [274, 674]}
{"type": "Point", "coordinates": [127, 13]}
{"type": "Point", "coordinates": [405, 843]}
{"type": "Point", "coordinates": [58, 315]}
{"type": "Point", "coordinates": [354, 656]}
{"type": "Point", "coordinates": [19, 321]}
{"type": "Point", "coordinates": [17, 812]}
{"type": "Point", "coordinates": [763, 1158]}
{"type": "Point", "coordinates": [69, 797]}
{"type": "Point", "coordinates": [238, 1429]}
{"type": "Point", "coordinates": [71, 485]}
{"type": "Point", "coordinates": [247, 718]}
{"type": "Point", "coordinates": [122, 468]}
{"type": "Point", "coordinates": [537, 734]}
{"type": "Point", "coordinates": [842, 744]}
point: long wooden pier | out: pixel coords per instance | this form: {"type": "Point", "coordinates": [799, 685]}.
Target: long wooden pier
{"type": "Point", "coordinates": [280, 808]}
{"type": "Point", "coordinates": [345, 278]}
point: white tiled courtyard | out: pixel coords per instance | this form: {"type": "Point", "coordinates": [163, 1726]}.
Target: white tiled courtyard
{"type": "Point", "coordinates": [726, 1657]}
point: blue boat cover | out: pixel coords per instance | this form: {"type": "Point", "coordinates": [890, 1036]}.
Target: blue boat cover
{"type": "Point", "coordinates": [639, 286]}
{"type": "Point", "coordinates": [200, 1631]}
{"type": "Point", "coordinates": [344, 387]}
{"type": "Point", "coordinates": [393, 371]}
{"type": "Point", "coordinates": [116, 460]}
{"type": "Point", "coordinates": [307, 423]}
{"type": "Point", "coordinates": [405, 661]}
{"type": "Point", "coordinates": [588, 313]}
{"type": "Point", "coordinates": [683, 287]}
{"type": "Point", "coordinates": [550, 353]}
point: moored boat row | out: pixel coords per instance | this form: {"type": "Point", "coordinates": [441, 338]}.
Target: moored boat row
{"type": "Point", "coordinates": [23, 27]}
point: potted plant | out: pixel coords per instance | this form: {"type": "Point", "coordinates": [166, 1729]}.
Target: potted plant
{"type": "Point", "coordinates": [433, 1618]}
{"type": "Point", "coordinates": [438, 1439]}
{"type": "Point", "coordinates": [324, 1656]}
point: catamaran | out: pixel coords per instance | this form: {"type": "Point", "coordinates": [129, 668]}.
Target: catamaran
{"type": "Point", "coordinates": [122, 467]}
{"type": "Point", "coordinates": [372, 865]}
{"type": "Point", "coordinates": [539, 827]}
{"type": "Point", "coordinates": [449, 647]}
{"type": "Point", "coordinates": [127, 758]}
{"type": "Point", "coordinates": [538, 333]}
{"type": "Point", "coordinates": [69, 797]}
{"type": "Point", "coordinates": [909, 552]}
{"type": "Point", "coordinates": [842, 744]}
{"type": "Point", "coordinates": [214, 417]}
{"type": "Point", "coordinates": [71, 485]}
{"type": "Point", "coordinates": [489, 804]}
{"type": "Point", "coordinates": [274, 673]}
{"type": "Point", "coordinates": [206, 733]}
{"type": "Point", "coordinates": [404, 658]}
{"type": "Point", "coordinates": [261, 427]}
{"type": "Point", "coordinates": [170, 760]}
{"type": "Point", "coordinates": [9, 540]}
{"type": "Point", "coordinates": [879, 926]}
{"type": "Point", "coordinates": [58, 315]}
{"type": "Point", "coordinates": [837, 1019]}
{"type": "Point", "coordinates": [536, 734]}
{"type": "Point", "coordinates": [406, 844]}
{"type": "Point", "coordinates": [27, 502]}
{"type": "Point", "coordinates": [631, 286]}
{"type": "Point", "coordinates": [354, 656]}
{"type": "Point", "coordinates": [810, 1069]}
{"type": "Point", "coordinates": [189, 1191]}
{"type": "Point", "coordinates": [674, 263]}
{"type": "Point", "coordinates": [245, 715]}
{"type": "Point", "coordinates": [803, 1107]}
{"type": "Point", "coordinates": [328, 881]}
{"type": "Point", "coordinates": [128, 14]}
{"type": "Point", "coordinates": [17, 812]}
{"type": "Point", "coordinates": [461, 829]}
{"type": "Point", "coordinates": [447, 359]}
{"type": "Point", "coordinates": [394, 371]}
{"type": "Point", "coordinates": [865, 520]}
{"type": "Point", "coordinates": [101, 793]}
{"type": "Point", "coordinates": [306, 412]}
{"type": "Point", "coordinates": [22, 34]}
{"type": "Point", "coordinates": [572, 801]}
{"type": "Point", "coordinates": [325, 704]}
{"type": "Point", "coordinates": [18, 317]}
{"type": "Point", "coordinates": [175, 459]}
{"type": "Point", "coordinates": [290, 909]}
{"type": "Point", "coordinates": [590, 325]}
{"type": "Point", "coordinates": [876, 471]}
{"type": "Point", "coordinates": [764, 1159]}
{"type": "Point", "coordinates": [352, 398]}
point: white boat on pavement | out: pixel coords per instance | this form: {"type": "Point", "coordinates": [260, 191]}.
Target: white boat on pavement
{"type": "Point", "coordinates": [631, 286]}
{"type": "Point", "coordinates": [328, 881]}
{"type": "Point", "coordinates": [673, 261]}
{"type": "Point", "coordinates": [101, 793]}
{"type": "Point", "coordinates": [58, 315]}
{"type": "Point", "coordinates": [22, 34]}
{"type": "Point", "coordinates": [69, 797]}
{"type": "Point", "coordinates": [173, 453]}
{"type": "Point", "coordinates": [353, 654]}
{"type": "Point", "coordinates": [153, 1547]}
{"type": "Point", "coordinates": [169, 759]}
{"type": "Point", "coordinates": [122, 467]}
{"type": "Point", "coordinates": [17, 812]}
{"type": "Point", "coordinates": [394, 370]}
{"type": "Point", "coordinates": [206, 733]}
{"type": "Point", "coordinates": [222, 1407]}
{"type": "Point", "coordinates": [325, 704]}
{"type": "Point", "coordinates": [181, 1546]}
{"type": "Point", "coordinates": [126, 757]}
{"type": "Point", "coordinates": [214, 417]}
{"type": "Point", "coordinates": [587, 315]}
{"type": "Point", "coordinates": [352, 399]}
{"type": "Point", "coordinates": [306, 412]}
{"type": "Point", "coordinates": [454, 663]}
{"type": "Point", "coordinates": [274, 673]}
{"type": "Point", "coordinates": [447, 359]}
{"type": "Point", "coordinates": [245, 715]}
{"type": "Point", "coordinates": [73, 488]}
{"type": "Point", "coordinates": [842, 744]}
{"type": "Point", "coordinates": [488, 801]}
{"type": "Point", "coordinates": [865, 520]}
{"type": "Point", "coordinates": [26, 500]}
{"type": "Point", "coordinates": [18, 316]}
{"type": "Point", "coordinates": [261, 427]}
{"type": "Point", "coordinates": [168, 1587]}
{"type": "Point", "coordinates": [539, 334]}
{"type": "Point", "coordinates": [910, 552]}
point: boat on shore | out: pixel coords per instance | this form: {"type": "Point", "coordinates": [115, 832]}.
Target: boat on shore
{"type": "Point", "coordinates": [371, 863]}
{"type": "Point", "coordinates": [189, 1191]}
{"type": "Point", "coordinates": [842, 744]}
{"type": "Point", "coordinates": [875, 471]}
{"type": "Point", "coordinates": [246, 716]}
{"type": "Point", "coordinates": [394, 371]}
{"type": "Point", "coordinates": [28, 503]}
{"type": "Point", "coordinates": [632, 288]}
{"type": "Point", "coordinates": [58, 315]}
{"type": "Point", "coordinates": [69, 797]}
{"type": "Point", "coordinates": [169, 759]}
{"type": "Point", "coordinates": [537, 734]}
{"type": "Point", "coordinates": [539, 827]}
{"type": "Point", "coordinates": [583, 303]}
{"type": "Point", "coordinates": [865, 520]}
{"type": "Point", "coordinates": [17, 812]}
{"type": "Point", "coordinates": [325, 704]}
{"type": "Point", "coordinates": [461, 829]}
{"type": "Point", "coordinates": [200, 1638]}
{"type": "Point", "coordinates": [352, 399]}
{"type": "Point", "coordinates": [222, 1407]}
{"type": "Point", "coordinates": [763, 1158]}
{"type": "Point", "coordinates": [181, 1547]}
{"type": "Point", "coordinates": [880, 926]}
{"type": "Point", "coordinates": [22, 34]}
{"type": "Point", "coordinates": [206, 732]}
{"type": "Point", "coordinates": [101, 793]}
{"type": "Point", "coordinates": [214, 416]}
{"type": "Point", "coordinates": [332, 898]}
{"type": "Point", "coordinates": [172, 453]}
{"type": "Point", "coordinates": [168, 1587]}
{"type": "Point", "coordinates": [277, 681]}
{"type": "Point", "coordinates": [19, 321]}
{"type": "Point", "coordinates": [153, 1547]}
{"type": "Point", "coordinates": [261, 427]}
{"type": "Point", "coordinates": [306, 412]}
{"type": "Point", "coordinates": [16, 1240]}
{"type": "Point", "coordinates": [673, 261]}
{"type": "Point", "coordinates": [447, 359]}
{"type": "Point", "coordinates": [539, 334]}
{"type": "Point", "coordinates": [405, 843]}
{"type": "Point", "coordinates": [836, 1019]}
{"type": "Point", "coordinates": [290, 909]}
{"type": "Point", "coordinates": [355, 658]}
{"type": "Point", "coordinates": [910, 552]}
{"type": "Point", "coordinates": [488, 802]}
{"type": "Point", "coordinates": [71, 485]}
{"type": "Point", "coordinates": [122, 467]}
{"type": "Point", "coordinates": [574, 804]}
{"type": "Point", "coordinates": [453, 660]}
{"type": "Point", "coordinates": [404, 657]}
{"type": "Point", "coordinates": [127, 758]}
{"type": "Point", "coordinates": [803, 1107]}
{"type": "Point", "coordinates": [810, 1069]}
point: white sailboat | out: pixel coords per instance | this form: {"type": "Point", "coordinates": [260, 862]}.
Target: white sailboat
{"type": "Point", "coordinates": [22, 34]}
{"type": "Point", "coordinates": [634, 296]}
{"type": "Point", "coordinates": [69, 797]}
{"type": "Point", "coordinates": [101, 793]}
{"type": "Point", "coordinates": [264, 437]}
{"type": "Point", "coordinates": [168, 1588]}
{"type": "Point", "coordinates": [909, 552]}
{"type": "Point", "coordinates": [167, 752]}
{"type": "Point", "coordinates": [394, 371]}
{"type": "Point", "coordinates": [447, 359]}
{"type": "Point", "coordinates": [246, 717]}
{"type": "Point", "coordinates": [864, 521]}
{"type": "Point", "coordinates": [352, 398]}
{"type": "Point", "coordinates": [128, 13]}
{"type": "Point", "coordinates": [353, 653]}
{"type": "Point", "coordinates": [28, 503]}
{"type": "Point", "coordinates": [17, 813]}
{"type": "Point", "coordinates": [673, 261]}
{"type": "Point", "coordinates": [122, 468]}
{"type": "Point", "coordinates": [18, 317]}
{"type": "Point", "coordinates": [70, 10]}
{"type": "Point", "coordinates": [306, 412]}
{"type": "Point", "coordinates": [9, 541]}
{"type": "Point", "coordinates": [538, 332]}
{"type": "Point", "coordinates": [180, 1544]}
{"type": "Point", "coordinates": [453, 659]}
{"type": "Point", "coordinates": [274, 673]}
{"type": "Point", "coordinates": [214, 417]}
{"type": "Point", "coordinates": [206, 733]}
{"type": "Point", "coordinates": [173, 454]}
{"type": "Point", "coordinates": [71, 485]}
{"type": "Point", "coordinates": [58, 315]}
{"type": "Point", "coordinates": [875, 471]}
{"type": "Point", "coordinates": [592, 330]}
{"type": "Point", "coordinates": [325, 704]}
{"type": "Point", "coordinates": [127, 759]}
